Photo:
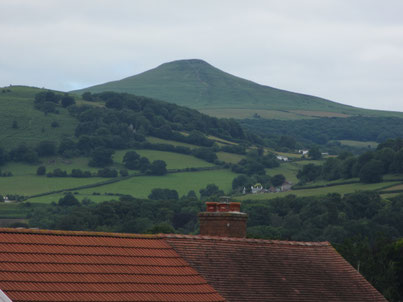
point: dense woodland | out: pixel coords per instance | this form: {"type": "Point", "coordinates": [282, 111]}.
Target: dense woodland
{"type": "Point", "coordinates": [369, 166]}
{"type": "Point", "coordinates": [323, 130]}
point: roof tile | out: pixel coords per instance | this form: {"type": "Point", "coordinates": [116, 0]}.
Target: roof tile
{"type": "Point", "coordinates": [37, 265]}
{"type": "Point", "coordinates": [270, 270]}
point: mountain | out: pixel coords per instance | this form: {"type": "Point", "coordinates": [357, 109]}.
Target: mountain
{"type": "Point", "coordinates": [199, 85]}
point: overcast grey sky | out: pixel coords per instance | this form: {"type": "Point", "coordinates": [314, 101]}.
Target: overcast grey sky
{"type": "Point", "coordinates": [348, 51]}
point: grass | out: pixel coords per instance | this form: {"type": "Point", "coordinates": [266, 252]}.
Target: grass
{"type": "Point", "coordinates": [173, 160]}
{"type": "Point", "coordinates": [358, 144]}
{"type": "Point", "coordinates": [33, 125]}
{"type": "Point", "coordinates": [229, 157]}
{"type": "Point", "coordinates": [55, 198]}
{"type": "Point", "coordinates": [250, 113]}
{"type": "Point", "coordinates": [395, 188]}
{"type": "Point", "coordinates": [342, 189]}
{"type": "Point", "coordinates": [141, 186]}
{"type": "Point", "coordinates": [319, 113]}
{"type": "Point", "coordinates": [221, 140]}
{"type": "Point", "coordinates": [290, 169]}
{"type": "Point", "coordinates": [197, 84]}
{"type": "Point", "coordinates": [51, 163]}
{"type": "Point", "coordinates": [31, 184]}
{"type": "Point", "coordinates": [156, 140]}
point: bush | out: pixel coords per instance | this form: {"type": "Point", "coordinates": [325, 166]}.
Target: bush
{"type": "Point", "coordinates": [106, 172]}
{"type": "Point", "coordinates": [163, 194]}
{"type": "Point", "coordinates": [41, 170]}
{"type": "Point", "coordinates": [68, 200]}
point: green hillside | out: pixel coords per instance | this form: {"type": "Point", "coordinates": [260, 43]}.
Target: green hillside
{"type": "Point", "coordinates": [197, 84]}
{"type": "Point", "coordinates": [21, 123]}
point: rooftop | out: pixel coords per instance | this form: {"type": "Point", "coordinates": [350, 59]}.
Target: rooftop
{"type": "Point", "coordinates": [40, 265]}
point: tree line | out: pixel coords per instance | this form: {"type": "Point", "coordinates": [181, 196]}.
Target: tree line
{"type": "Point", "coordinates": [369, 166]}
{"type": "Point", "coordinates": [323, 130]}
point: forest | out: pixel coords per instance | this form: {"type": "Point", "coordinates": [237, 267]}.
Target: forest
{"type": "Point", "coordinates": [323, 130]}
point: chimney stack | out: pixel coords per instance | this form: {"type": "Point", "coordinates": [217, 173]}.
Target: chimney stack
{"type": "Point", "coordinates": [224, 219]}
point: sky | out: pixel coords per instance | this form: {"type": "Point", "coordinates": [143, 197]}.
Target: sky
{"type": "Point", "coordinates": [348, 51]}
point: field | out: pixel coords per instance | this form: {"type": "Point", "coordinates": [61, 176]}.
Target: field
{"type": "Point", "coordinates": [156, 140]}
{"type": "Point", "coordinates": [290, 169]}
{"type": "Point", "coordinates": [341, 189]}
{"type": "Point", "coordinates": [32, 125]}
{"type": "Point", "coordinates": [229, 157]}
{"type": "Point", "coordinates": [319, 113]}
{"type": "Point", "coordinates": [141, 186]}
{"type": "Point", "coordinates": [173, 160]}
{"type": "Point", "coordinates": [251, 113]}
{"type": "Point", "coordinates": [28, 185]}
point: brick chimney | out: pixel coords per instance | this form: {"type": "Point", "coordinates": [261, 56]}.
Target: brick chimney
{"type": "Point", "coordinates": [223, 219]}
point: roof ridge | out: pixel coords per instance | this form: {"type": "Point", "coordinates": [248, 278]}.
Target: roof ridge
{"type": "Point", "coordinates": [157, 236]}
{"type": "Point", "coordinates": [248, 240]}
{"type": "Point", "coordinates": [78, 233]}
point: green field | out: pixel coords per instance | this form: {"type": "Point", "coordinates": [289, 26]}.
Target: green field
{"type": "Point", "coordinates": [250, 113]}
{"type": "Point", "coordinates": [173, 160]}
{"type": "Point", "coordinates": [341, 189]}
{"type": "Point", "coordinates": [28, 185]}
{"type": "Point", "coordinates": [290, 169]}
{"type": "Point", "coordinates": [156, 140]}
{"type": "Point", "coordinates": [33, 125]}
{"type": "Point", "coordinates": [141, 186]}
{"type": "Point", "coordinates": [229, 157]}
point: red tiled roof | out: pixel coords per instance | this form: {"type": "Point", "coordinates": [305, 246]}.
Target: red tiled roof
{"type": "Point", "coordinates": [40, 265]}
{"type": "Point", "coordinates": [269, 270]}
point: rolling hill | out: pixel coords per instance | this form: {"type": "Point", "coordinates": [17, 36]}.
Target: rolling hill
{"type": "Point", "coordinates": [199, 85]}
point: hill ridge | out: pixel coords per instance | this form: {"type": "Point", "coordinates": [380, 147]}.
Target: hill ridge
{"type": "Point", "coordinates": [197, 84]}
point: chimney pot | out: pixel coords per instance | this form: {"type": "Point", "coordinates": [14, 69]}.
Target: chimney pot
{"type": "Point", "coordinates": [235, 207]}
{"type": "Point", "coordinates": [223, 219]}
{"type": "Point", "coordinates": [211, 206]}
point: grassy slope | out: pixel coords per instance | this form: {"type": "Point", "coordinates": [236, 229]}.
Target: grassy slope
{"type": "Point", "coordinates": [197, 84]}
{"type": "Point", "coordinates": [141, 186]}
{"type": "Point", "coordinates": [173, 160]}
{"type": "Point", "coordinates": [33, 125]}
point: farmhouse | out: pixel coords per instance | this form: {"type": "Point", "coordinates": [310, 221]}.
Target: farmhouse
{"type": "Point", "coordinates": [217, 265]}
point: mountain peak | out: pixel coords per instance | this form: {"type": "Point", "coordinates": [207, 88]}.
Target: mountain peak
{"type": "Point", "coordinates": [196, 84]}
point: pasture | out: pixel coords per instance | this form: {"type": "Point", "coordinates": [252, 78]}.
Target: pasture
{"type": "Point", "coordinates": [173, 160]}
{"type": "Point", "coordinates": [341, 189]}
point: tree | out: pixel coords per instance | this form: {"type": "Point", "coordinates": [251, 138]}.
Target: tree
{"type": "Point", "coordinates": [158, 167]}
{"type": "Point", "coordinates": [372, 171]}
{"type": "Point", "coordinates": [3, 157]}
{"type": "Point", "coordinates": [68, 200]}
{"type": "Point", "coordinates": [277, 180]}
{"type": "Point", "coordinates": [68, 100]}
{"type": "Point", "coordinates": [131, 160]}
{"type": "Point", "coordinates": [46, 148]}
{"type": "Point", "coordinates": [211, 190]}
{"type": "Point", "coordinates": [41, 170]}
{"type": "Point", "coordinates": [163, 194]}
{"type": "Point", "coordinates": [314, 153]}
{"type": "Point", "coordinates": [309, 172]}
{"type": "Point", "coordinates": [101, 157]}
{"type": "Point", "coordinates": [87, 96]}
